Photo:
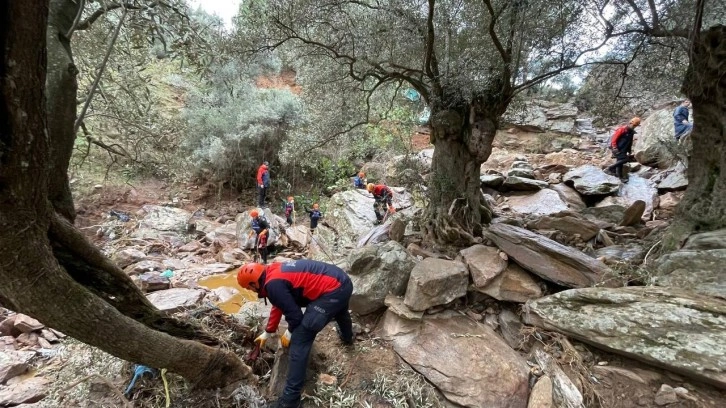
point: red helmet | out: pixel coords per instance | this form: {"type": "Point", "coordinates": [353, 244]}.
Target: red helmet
{"type": "Point", "coordinates": [254, 213]}
{"type": "Point", "coordinates": [248, 276]}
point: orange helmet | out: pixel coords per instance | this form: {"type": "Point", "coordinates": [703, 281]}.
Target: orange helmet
{"type": "Point", "coordinates": [635, 121]}
{"type": "Point", "coordinates": [254, 214]}
{"type": "Point", "coordinates": [248, 276]}
{"type": "Point", "coordinates": [361, 174]}
{"type": "Point", "coordinates": [370, 187]}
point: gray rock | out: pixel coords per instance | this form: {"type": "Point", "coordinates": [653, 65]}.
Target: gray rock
{"type": "Point", "coordinates": [612, 214]}
{"type": "Point", "coordinates": [521, 173]}
{"type": "Point", "coordinates": [541, 395]}
{"type": "Point", "coordinates": [701, 271]}
{"type": "Point", "coordinates": [397, 230]}
{"type": "Point", "coordinates": [435, 282]}
{"type": "Point", "coordinates": [706, 240]}
{"type": "Point", "coordinates": [511, 327]}
{"type": "Point", "coordinates": [224, 235]}
{"type": "Point", "coordinates": [377, 271]}
{"type": "Point", "coordinates": [153, 281]}
{"type": "Point", "coordinates": [176, 299]}
{"type": "Point", "coordinates": [395, 305]}
{"type": "Point", "coordinates": [631, 253]}
{"type": "Point", "coordinates": [375, 172]}
{"type": "Point", "coordinates": [512, 285]}
{"type": "Point", "coordinates": [543, 202]}
{"type": "Point", "coordinates": [633, 214]}
{"type": "Point", "coordinates": [254, 313]}
{"type": "Point", "coordinates": [591, 180]}
{"type": "Point", "coordinates": [540, 116]}
{"type": "Point", "coordinates": [491, 180]}
{"type": "Point", "coordinates": [14, 363]}
{"type": "Point", "coordinates": [523, 184]}
{"type": "Point", "coordinates": [27, 391]}
{"type": "Point", "coordinates": [484, 263]}
{"type": "Point", "coordinates": [465, 360]}
{"type": "Point", "coordinates": [673, 179]}
{"type": "Point", "coordinates": [417, 251]}
{"type": "Point", "coordinates": [673, 329]}
{"type": "Point", "coordinates": [667, 204]}
{"type": "Point", "coordinates": [127, 256]}
{"type": "Point", "coordinates": [568, 224]}
{"type": "Point", "coordinates": [546, 258]}
{"type": "Point", "coordinates": [26, 324]}
{"type": "Point", "coordinates": [570, 196]}
{"type": "Point", "coordinates": [144, 266]}
{"type": "Point", "coordinates": [299, 235]}
{"type": "Point", "coordinates": [653, 139]}
{"type": "Point", "coordinates": [204, 226]}
{"type": "Point", "coordinates": [165, 219]}
{"type": "Point", "coordinates": [636, 189]}
{"type": "Point", "coordinates": [665, 395]}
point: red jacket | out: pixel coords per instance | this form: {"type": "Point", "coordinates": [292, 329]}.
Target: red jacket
{"type": "Point", "coordinates": [380, 190]}
{"type": "Point", "coordinates": [293, 285]}
{"type": "Point", "coordinates": [261, 175]}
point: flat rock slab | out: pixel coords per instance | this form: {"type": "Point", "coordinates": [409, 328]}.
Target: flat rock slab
{"type": "Point", "coordinates": [395, 305]}
{"type": "Point", "coordinates": [523, 184]}
{"type": "Point", "coordinates": [591, 180]}
{"type": "Point", "coordinates": [176, 299]}
{"type": "Point", "coordinates": [512, 285]}
{"type": "Point", "coordinates": [569, 225]}
{"type": "Point", "coordinates": [27, 324]}
{"type": "Point", "coordinates": [435, 282]}
{"type": "Point", "coordinates": [24, 392]}
{"type": "Point", "coordinates": [544, 202]}
{"type": "Point", "coordinates": [677, 330]}
{"type": "Point", "coordinates": [467, 361]}
{"type": "Point", "coordinates": [701, 271]}
{"type": "Point", "coordinates": [484, 263]}
{"type": "Point", "coordinates": [546, 258]}
{"type": "Point", "coordinates": [491, 180]}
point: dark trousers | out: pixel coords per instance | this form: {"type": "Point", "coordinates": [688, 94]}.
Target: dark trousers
{"type": "Point", "coordinates": [261, 193]}
{"type": "Point", "coordinates": [620, 160]}
{"type": "Point", "coordinates": [331, 306]}
{"type": "Point", "coordinates": [261, 245]}
{"type": "Point", "coordinates": [377, 209]}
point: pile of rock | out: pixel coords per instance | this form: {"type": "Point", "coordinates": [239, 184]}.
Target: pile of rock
{"type": "Point", "coordinates": [22, 332]}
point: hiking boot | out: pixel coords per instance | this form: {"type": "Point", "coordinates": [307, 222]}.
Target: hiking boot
{"type": "Point", "coordinates": [280, 404]}
{"type": "Point", "coordinates": [608, 171]}
{"type": "Point", "coordinates": [625, 179]}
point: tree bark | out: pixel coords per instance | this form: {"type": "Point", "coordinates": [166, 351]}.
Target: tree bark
{"type": "Point", "coordinates": [463, 139]}
{"type": "Point", "coordinates": [33, 281]}
{"type": "Point", "coordinates": [61, 91]}
{"type": "Point", "coordinates": [703, 207]}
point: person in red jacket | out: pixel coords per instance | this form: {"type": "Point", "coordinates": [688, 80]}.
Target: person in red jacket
{"type": "Point", "coordinates": [620, 144]}
{"type": "Point", "coordinates": [263, 183]}
{"type": "Point", "coordinates": [323, 289]}
{"type": "Point", "coordinates": [382, 196]}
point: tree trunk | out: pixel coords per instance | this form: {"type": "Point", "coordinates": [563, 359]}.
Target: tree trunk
{"type": "Point", "coordinates": [61, 91]}
{"type": "Point", "coordinates": [463, 141]}
{"type": "Point", "coordinates": [33, 281]}
{"type": "Point", "coordinates": [703, 207]}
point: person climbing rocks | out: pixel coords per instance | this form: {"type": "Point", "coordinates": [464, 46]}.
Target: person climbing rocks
{"type": "Point", "coordinates": [681, 124]}
{"type": "Point", "coordinates": [263, 183]}
{"type": "Point", "coordinates": [315, 216]}
{"type": "Point", "coordinates": [360, 181]}
{"type": "Point", "coordinates": [323, 289]}
{"type": "Point", "coordinates": [261, 228]}
{"type": "Point", "coordinates": [289, 209]}
{"type": "Point", "coordinates": [382, 195]}
{"type": "Point", "coordinates": [620, 144]}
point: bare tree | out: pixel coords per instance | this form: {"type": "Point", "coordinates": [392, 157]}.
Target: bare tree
{"type": "Point", "coordinates": [50, 270]}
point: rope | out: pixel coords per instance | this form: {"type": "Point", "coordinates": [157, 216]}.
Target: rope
{"type": "Point", "coordinates": [139, 371]}
{"type": "Point", "coordinates": [166, 387]}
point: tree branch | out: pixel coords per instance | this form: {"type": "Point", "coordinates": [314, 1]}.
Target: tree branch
{"type": "Point", "coordinates": [430, 36]}
{"type": "Point", "coordinates": [81, 6]}
{"type": "Point", "coordinates": [506, 57]}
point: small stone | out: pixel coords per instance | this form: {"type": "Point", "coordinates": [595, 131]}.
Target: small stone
{"type": "Point", "coordinates": [44, 343]}
{"type": "Point", "coordinates": [7, 327]}
{"type": "Point", "coordinates": [28, 339]}
{"type": "Point", "coordinates": [680, 391]}
{"type": "Point", "coordinates": [602, 363]}
{"type": "Point", "coordinates": [665, 395]}
{"type": "Point", "coordinates": [48, 335]}
{"type": "Point", "coordinates": [27, 324]}
{"type": "Point", "coordinates": [98, 186]}
{"type": "Point", "coordinates": [326, 379]}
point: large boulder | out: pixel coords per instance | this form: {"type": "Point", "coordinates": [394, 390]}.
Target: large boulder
{"type": "Point", "coordinates": [570, 196]}
{"type": "Point", "coordinates": [298, 235]}
{"type": "Point", "coordinates": [165, 218]}
{"type": "Point", "coordinates": [512, 285]}
{"type": "Point", "coordinates": [698, 266]}
{"type": "Point", "coordinates": [676, 330]}
{"type": "Point", "coordinates": [516, 183]}
{"type": "Point", "coordinates": [543, 202]}
{"type": "Point", "coordinates": [675, 178]}
{"type": "Point", "coordinates": [636, 189]}
{"type": "Point", "coordinates": [224, 235]}
{"type": "Point", "coordinates": [546, 258]}
{"type": "Point", "coordinates": [591, 180]}
{"type": "Point", "coordinates": [435, 282]}
{"type": "Point", "coordinates": [377, 271]}
{"type": "Point", "coordinates": [467, 361]}
{"type": "Point", "coordinates": [176, 299]}
{"type": "Point", "coordinates": [654, 138]}
{"type": "Point", "coordinates": [568, 224]}
{"type": "Point", "coordinates": [484, 263]}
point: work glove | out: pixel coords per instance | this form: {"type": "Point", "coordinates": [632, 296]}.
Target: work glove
{"type": "Point", "coordinates": [391, 210]}
{"type": "Point", "coordinates": [285, 339]}
{"type": "Point", "coordinates": [262, 339]}
{"type": "Point", "coordinates": [261, 185]}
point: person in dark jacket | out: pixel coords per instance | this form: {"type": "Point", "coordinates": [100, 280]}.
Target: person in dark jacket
{"type": "Point", "coordinates": [289, 209]}
{"type": "Point", "coordinates": [315, 216]}
{"type": "Point", "coordinates": [621, 144]}
{"type": "Point", "coordinates": [261, 228]}
{"type": "Point", "coordinates": [382, 196]}
{"type": "Point", "coordinates": [681, 124]}
{"type": "Point", "coordinates": [263, 183]}
{"type": "Point", "coordinates": [323, 289]}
